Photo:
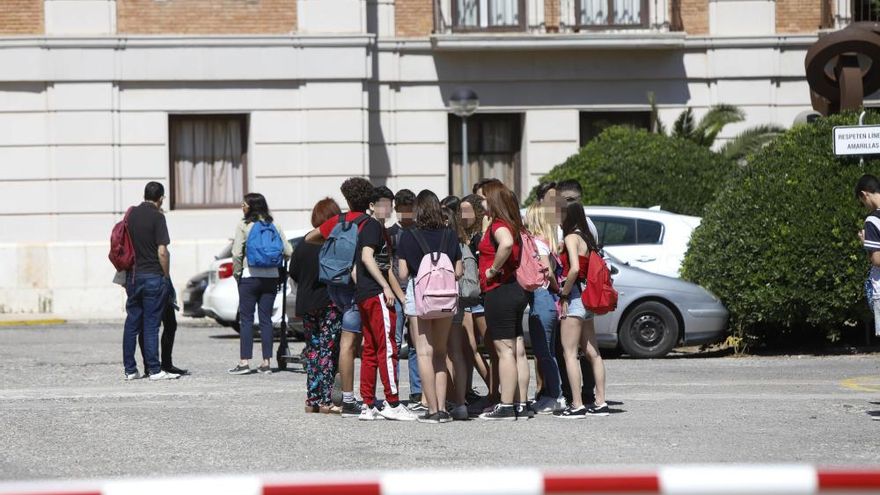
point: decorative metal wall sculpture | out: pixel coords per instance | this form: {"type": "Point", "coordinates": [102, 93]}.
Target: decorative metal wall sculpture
{"type": "Point", "coordinates": [843, 67]}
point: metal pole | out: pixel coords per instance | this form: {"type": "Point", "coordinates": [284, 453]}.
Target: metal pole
{"type": "Point", "coordinates": [465, 167]}
{"type": "Point", "coordinates": [862, 122]}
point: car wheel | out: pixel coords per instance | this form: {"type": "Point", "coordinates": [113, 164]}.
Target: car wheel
{"type": "Point", "coordinates": [235, 326]}
{"type": "Point", "coordinates": [650, 330]}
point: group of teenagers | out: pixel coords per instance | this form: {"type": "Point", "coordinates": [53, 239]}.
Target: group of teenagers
{"type": "Point", "coordinates": [385, 295]}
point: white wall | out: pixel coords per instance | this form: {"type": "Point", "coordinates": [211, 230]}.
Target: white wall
{"type": "Point", "coordinates": [84, 125]}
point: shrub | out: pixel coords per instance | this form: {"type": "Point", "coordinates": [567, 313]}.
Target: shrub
{"type": "Point", "coordinates": [779, 246]}
{"type": "Point", "coordinates": [624, 166]}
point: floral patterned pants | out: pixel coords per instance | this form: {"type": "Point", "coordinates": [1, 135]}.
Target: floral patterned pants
{"type": "Point", "coordinates": [322, 329]}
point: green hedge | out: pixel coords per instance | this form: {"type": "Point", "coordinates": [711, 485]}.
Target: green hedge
{"type": "Point", "coordinates": [624, 166]}
{"type": "Point", "coordinates": [779, 245]}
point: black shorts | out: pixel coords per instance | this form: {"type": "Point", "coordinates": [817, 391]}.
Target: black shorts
{"type": "Point", "coordinates": [504, 311]}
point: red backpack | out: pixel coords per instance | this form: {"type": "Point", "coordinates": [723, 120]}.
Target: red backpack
{"type": "Point", "coordinates": [599, 297]}
{"type": "Point", "coordinates": [121, 248]}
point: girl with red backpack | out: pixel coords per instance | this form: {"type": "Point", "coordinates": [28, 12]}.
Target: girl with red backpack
{"type": "Point", "coordinates": [505, 300]}
{"type": "Point", "coordinates": [430, 253]}
{"type": "Point", "coordinates": [578, 241]}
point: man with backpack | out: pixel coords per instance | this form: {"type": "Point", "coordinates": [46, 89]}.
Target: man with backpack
{"type": "Point", "coordinates": [339, 236]}
{"type": "Point", "coordinates": [147, 280]}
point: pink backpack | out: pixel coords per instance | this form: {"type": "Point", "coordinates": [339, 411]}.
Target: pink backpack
{"type": "Point", "coordinates": [436, 290]}
{"type": "Point", "coordinates": [532, 273]}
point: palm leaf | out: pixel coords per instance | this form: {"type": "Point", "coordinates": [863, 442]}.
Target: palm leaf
{"type": "Point", "coordinates": [657, 126]}
{"type": "Point", "coordinates": [684, 125]}
{"type": "Point", "coordinates": [749, 141]}
{"type": "Point", "coordinates": [714, 121]}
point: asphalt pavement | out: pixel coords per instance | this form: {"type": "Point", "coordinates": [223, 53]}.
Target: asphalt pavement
{"type": "Point", "coordinates": [65, 412]}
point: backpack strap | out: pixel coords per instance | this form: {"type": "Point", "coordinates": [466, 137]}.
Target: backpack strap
{"type": "Point", "coordinates": [424, 245]}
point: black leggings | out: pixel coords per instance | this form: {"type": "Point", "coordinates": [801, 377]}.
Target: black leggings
{"type": "Point", "coordinates": [505, 306]}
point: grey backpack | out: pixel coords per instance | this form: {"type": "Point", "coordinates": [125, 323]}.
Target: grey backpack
{"type": "Point", "coordinates": [469, 283]}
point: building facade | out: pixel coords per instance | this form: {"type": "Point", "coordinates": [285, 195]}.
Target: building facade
{"type": "Point", "coordinates": [215, 98]}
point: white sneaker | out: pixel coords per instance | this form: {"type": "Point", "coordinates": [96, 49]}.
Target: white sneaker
{"type": "Point", "coordinates": [398, 413]}
{"type": "Point", "coordinates": [459, 413]}
{"type": "Point", "coordinates": [164, 375]}
{"type": "Point", "coordinates": [368, 413]}
{"type": "Point", "coordinates": [561, 404]}
{"type": "Point", "coordinates": [545, 405]}
{"type": "Point", "coordinates": [132, 376]}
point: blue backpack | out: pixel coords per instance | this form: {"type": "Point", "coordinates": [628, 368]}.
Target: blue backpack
{"type": "Point", "coordinates": [265, 248]}
{"type": "Point", "coordinates": [337, 254]}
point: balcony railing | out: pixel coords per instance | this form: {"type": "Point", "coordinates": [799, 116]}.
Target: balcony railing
{"type": "Point", "coordinates": [468, 16]}
{"type": "Point", "coordinates": [488, 15]}
{"type": "Point", "coordinates": [837, 14]}
{"type": "Point", "coordinates": [610, 14]}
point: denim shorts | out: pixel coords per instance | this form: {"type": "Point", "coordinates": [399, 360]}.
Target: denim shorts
{"type": "Point", "coordinates": [343, 298]}
{"type": "Point", "coordinates": [576, 307]}
{"type": "Point", "coordinates": [476, 309]}
{"type": "Point", "coordinates": [410, 307]}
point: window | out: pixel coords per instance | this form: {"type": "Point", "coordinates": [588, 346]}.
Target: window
{"type": "Point", "coordinates": [488, 15]}
{"type": "Point", "coordinates": [865, 11]}
{"type": "Point", "coordinates": [600, 14]}
{"type": "Point", "coordinates": [619, 231]}
{"type": "Point", "coordinates": [648, 232]}
{"type": "Point", "coordinates": [208, 155]}
{"type": "Point", "coordinates": [494, 142]}
{"type": "Point", "coordinates": [615, 231]}
{"type": "Point", "coordinates": [593, 123]}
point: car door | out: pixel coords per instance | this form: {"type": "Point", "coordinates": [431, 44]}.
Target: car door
{"type": "Point", "coordinates": [635, 241]}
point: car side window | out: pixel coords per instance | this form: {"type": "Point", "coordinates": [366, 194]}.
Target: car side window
{"type": "Point", "coordinates": [648, 232]}
{"type": "Point", "coordinates": [615, 231]}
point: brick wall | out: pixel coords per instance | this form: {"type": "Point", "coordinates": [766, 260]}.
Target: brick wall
{"type": "Point", "coordinates": [798, 16]}
{"type": "Point", "coordinates": [19, 17]}
{"type": "Point", "coordinates": [695, 16]}
{"type": "Point", "coordinates": [205, 16]}
{"type": "Point", "coordinates": [413, 18]}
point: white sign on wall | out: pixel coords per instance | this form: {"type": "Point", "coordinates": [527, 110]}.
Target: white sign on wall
{"type": "Point", "coordinates": [857, 140]}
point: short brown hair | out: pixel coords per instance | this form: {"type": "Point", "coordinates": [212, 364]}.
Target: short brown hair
{"type": "Point", "coordinates": [324, 210]}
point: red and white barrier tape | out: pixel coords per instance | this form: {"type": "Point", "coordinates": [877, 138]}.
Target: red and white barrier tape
{"type": "Point", "coordinates": [673, 480]}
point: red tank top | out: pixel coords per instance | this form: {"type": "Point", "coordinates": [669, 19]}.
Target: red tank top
{"type": "Point", "coordinates": [488, 248]}
{"type": "Point", "coordinates": [584, 262]}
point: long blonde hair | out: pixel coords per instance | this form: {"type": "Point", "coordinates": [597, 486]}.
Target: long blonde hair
{"type": "Point", "coordinates": [540, 226]}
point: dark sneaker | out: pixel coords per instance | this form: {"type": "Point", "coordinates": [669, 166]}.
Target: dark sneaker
{"type": "Point", "coordinates": [241, 369]}
{"type": "Point", "coordinates": [524, 411]}
{"type": "Point", "coordinates": [500, 413]}
{"type": "Point", "coordinates": [175, 370]}
{"type": "Point", "coordinates": [445, 417]}
{"type": "Point", "coordinates": [472, 396]}
{"type": "Point", "coordinates": [430, 418]}
{"type": "Point", "coordinates": [265, 370]}
{"type": "Point", "coordinates": [595, 410]}
{"type": "Point", "coordinates": [351, 410]}
{"type": "Point", "coordinates": [418, 408]}
{"type": "Point", "coordinates": [571, 413]}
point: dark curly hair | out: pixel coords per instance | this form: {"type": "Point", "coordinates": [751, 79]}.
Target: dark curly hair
{"type": "Point", "coordinates": [357, 192]}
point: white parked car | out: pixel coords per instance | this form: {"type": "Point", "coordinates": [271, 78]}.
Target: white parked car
{"type": "Point", "coordinates": [647, 238]}
{"type": "Point", "coordinates": [220, 300]}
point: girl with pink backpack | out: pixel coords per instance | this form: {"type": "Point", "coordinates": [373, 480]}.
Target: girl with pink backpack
{"type": "Point", "coordinates": [431, 255]}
